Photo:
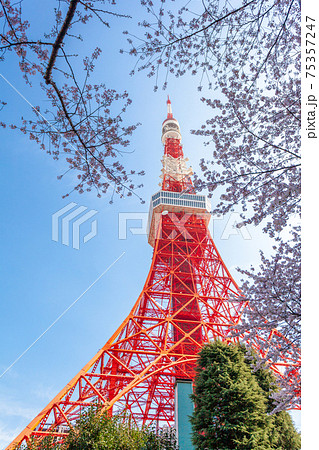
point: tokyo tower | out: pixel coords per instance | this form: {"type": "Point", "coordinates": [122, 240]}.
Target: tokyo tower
{"type": "Point", "coordinates": [189, 298]}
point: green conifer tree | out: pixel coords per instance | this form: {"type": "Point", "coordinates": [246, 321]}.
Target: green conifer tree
{"type": "Point", "coordinates": [234, 403]}
{"type": "Point", "coordinates": [230, 406]}
{"type": "Point", "coordinates": [283, 435]}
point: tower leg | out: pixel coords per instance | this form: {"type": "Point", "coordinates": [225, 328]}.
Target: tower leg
{"type": "Point", "coordinates": [183, 410]}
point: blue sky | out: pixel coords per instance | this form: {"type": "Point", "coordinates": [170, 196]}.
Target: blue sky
{"type": "Point", "coordinates": [40, 277]}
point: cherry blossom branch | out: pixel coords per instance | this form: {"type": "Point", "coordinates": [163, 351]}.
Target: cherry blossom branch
{"type": "Point", "coordinates": [260, 172]}
{"type": "Point", "coordinates": [59, 40]}
{"type": "Point", "coordinates": [272, 46]}
{"type": "Point", "coordinates": [79, 114]}
{"type": "Point", "coordinates": [262, 139]}
{"type": "Point", "coordinates": [220, 19]}
{"type": "Point", "coordinates": [75, 131]}
{"type": "Point", "coordinates": [12, 44]}
{"type": "Point", "coordinates": [8, 20]}
{"type": "Point", "coordinates": [96, 11]}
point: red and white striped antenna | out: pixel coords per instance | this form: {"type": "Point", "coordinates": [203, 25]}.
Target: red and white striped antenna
{"type": "Point", "coordinates": [169, 109]}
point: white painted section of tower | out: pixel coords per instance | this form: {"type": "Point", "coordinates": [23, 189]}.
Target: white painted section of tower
{"type": "Point", "coordinates": [175, 167]}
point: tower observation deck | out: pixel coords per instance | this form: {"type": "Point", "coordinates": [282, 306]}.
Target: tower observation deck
{"type": "Point", "coordinates": [189, 298]}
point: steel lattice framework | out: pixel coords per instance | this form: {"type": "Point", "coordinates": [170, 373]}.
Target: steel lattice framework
{"type": "Point", "coordinates": [188, 299]}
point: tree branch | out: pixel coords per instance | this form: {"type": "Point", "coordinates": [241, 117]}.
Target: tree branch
{"type": "Point", "coordinates": [12, 44]}
{"type": "Point", "coordinates": [205, 28]}
{"type": "Point", "coordinates": [59, 39]}
{"type": "Point", "coordinates": [273, 45]}
{"type": "Point", "coordinates": [260, 138]}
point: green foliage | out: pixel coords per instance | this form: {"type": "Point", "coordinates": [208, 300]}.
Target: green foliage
{"type": "Point", "coordinates": [283, 434]}
{"type": "Point", "coordinates": [98, 431]}
{"type": "Point", "coordinates": [95, 431]}
{"type": "Point", "coordinates": [233, 404]}
{"type": "Point", "coordinates": [162, 439]}
{"type": "Point", "coordinates": [47, 443]}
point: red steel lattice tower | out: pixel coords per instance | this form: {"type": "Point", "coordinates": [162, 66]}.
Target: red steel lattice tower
{"type": "Point", "coordinates": [188, 299]}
